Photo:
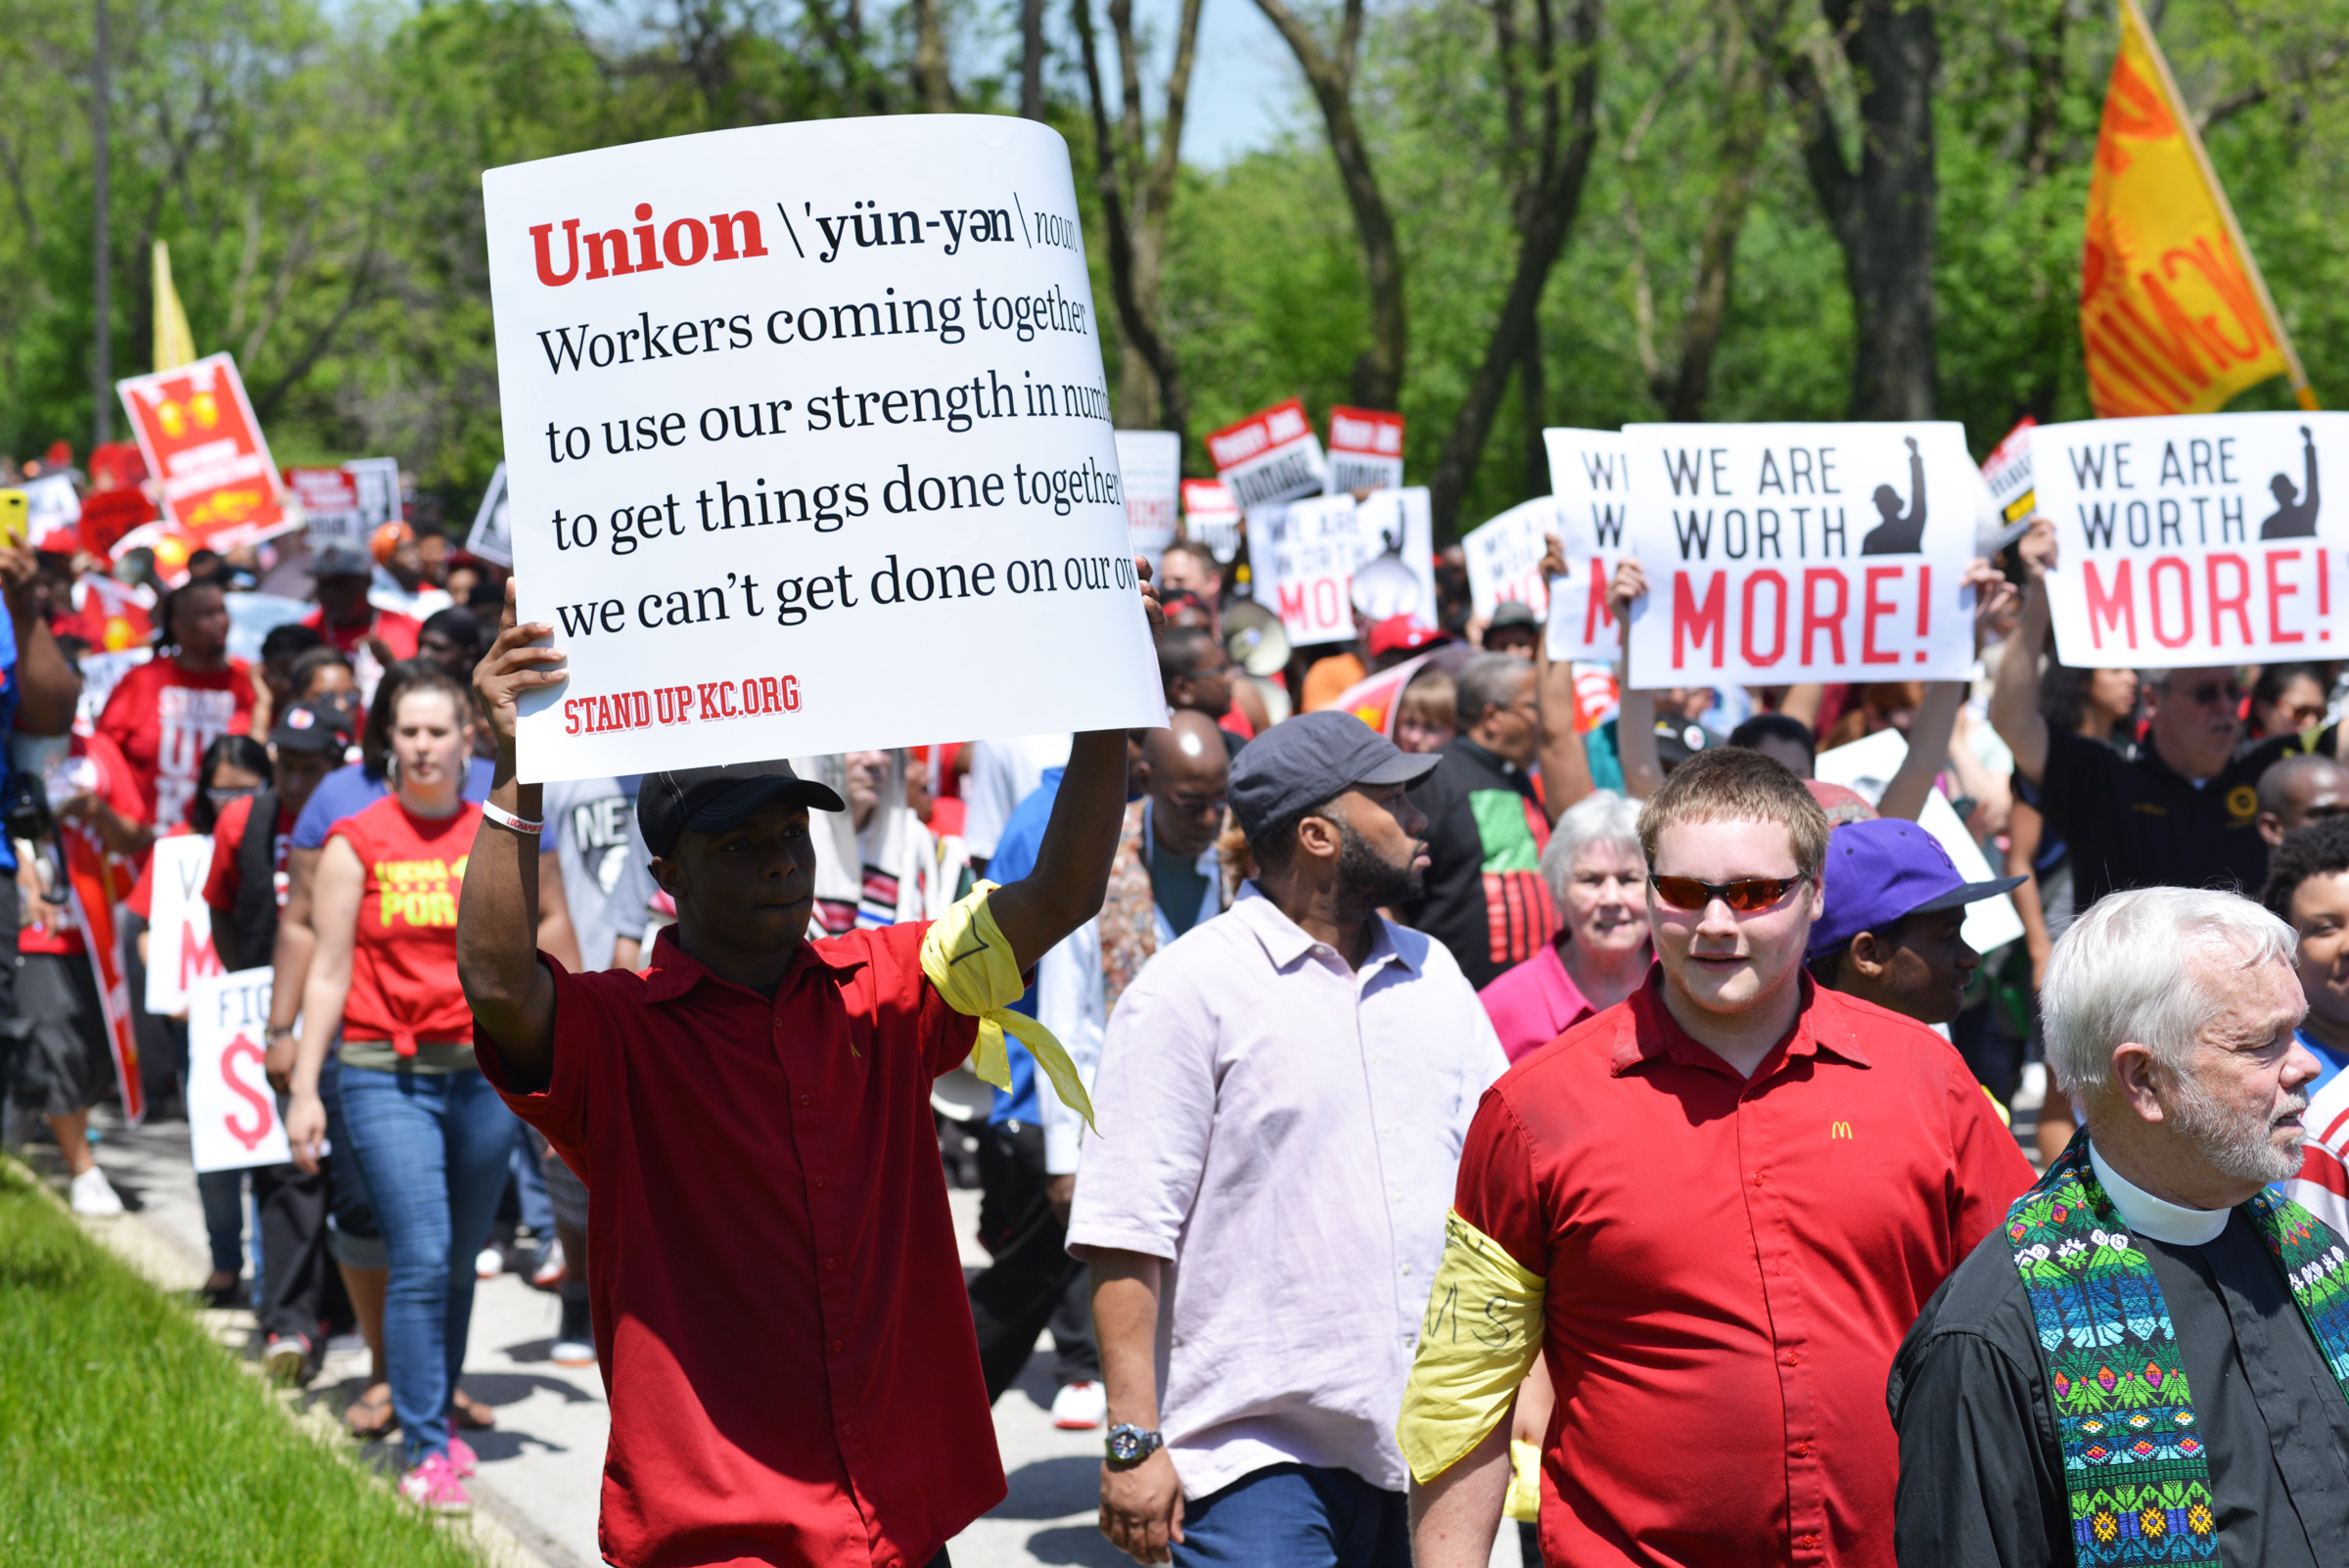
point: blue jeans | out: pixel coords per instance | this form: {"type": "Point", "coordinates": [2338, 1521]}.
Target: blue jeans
{"type": "Point", "coordinates": [353, 1237]}
{"type": "Point", "coordinates": [433, 1148]}
{"type": "Point", "coordinates": [1297, 1516]}
{"type": "Point", "coordinates": [537, 1211]}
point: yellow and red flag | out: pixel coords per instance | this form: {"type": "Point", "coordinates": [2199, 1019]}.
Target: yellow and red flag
{"type": "Point", "coordinates": [2173, 314]}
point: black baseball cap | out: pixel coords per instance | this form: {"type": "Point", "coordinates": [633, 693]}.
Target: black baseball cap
{"type": "Point", "coordinates": [311, 726]}
{"type": "Point", "coordinates": [711, 800]}
{"type": "Point", "coordinates": [1308, 759]}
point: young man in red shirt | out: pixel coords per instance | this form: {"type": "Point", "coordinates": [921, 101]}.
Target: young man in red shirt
{"type": "Point", "coordinates": [165, 714]}
{"type": "Point", "coordinates": [779, 1304]}
{"type": "Point", "coordinates": [1714, 1209]}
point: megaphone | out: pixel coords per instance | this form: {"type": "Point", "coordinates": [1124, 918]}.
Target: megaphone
{"type": "Point", "coordinates": [1254, 638]}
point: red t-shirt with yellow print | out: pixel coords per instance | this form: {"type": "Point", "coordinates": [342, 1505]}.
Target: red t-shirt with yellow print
{"type": "Point", "coordinates": [403, 964]}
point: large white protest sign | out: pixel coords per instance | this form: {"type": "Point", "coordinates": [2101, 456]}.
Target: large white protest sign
{"type": "Point", "coordinates": [232, 1113]}
{"type": "Point", "coordinates": [1304, 554]}
{"type": "Point", "coordinates": [1504, 557]}
{"type": "Point", "coordinates": [491, 537]}
{"type": "Point", "coordinates": [179, 928]}
{"type": "Point", "coordinates": [1782, 553]}
{"type": "Point", "coordinates": [1151, 463]}
{"type": "Point", "coordinates": [1365, 449]}
{"type": "Point", "coordinates": [1395, 574]}
{"type": "Point", "coordinates": [51, 503]}
{"type": "Point", "coordinates": [1590, 478]}
{"type": "Point", "coordinates": [808, 444]}
{"type": "Point", "coordinates": [1270, 456]}
{"type": "Point", "coordinates": [2193, 538]}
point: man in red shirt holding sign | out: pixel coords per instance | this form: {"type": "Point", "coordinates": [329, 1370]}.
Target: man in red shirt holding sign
{"type": "Point", "coordinates": [778, 1304]}
{"type": "Point", "coordinates": [1714, 1210]}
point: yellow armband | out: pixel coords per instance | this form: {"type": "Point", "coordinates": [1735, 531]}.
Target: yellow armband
{"type": "Point", "coordinates": [1525, 1482]}
{"type": "Point", "coordinates": [969, 961]}
{"type": "Point", "coordinates": [1483, 1330]}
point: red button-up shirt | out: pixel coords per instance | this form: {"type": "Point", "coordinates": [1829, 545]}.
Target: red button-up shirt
{"type": "Point", "coordinates": [1731, 1263]}
{"type": "Point", "coordinates": [779, 1307]}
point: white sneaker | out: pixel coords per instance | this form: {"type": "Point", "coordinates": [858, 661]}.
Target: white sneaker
{"type": "Point", "coordinates": [95, 1196]}
{"type": "Point", "coordinates": [491, 1264]}
{"type": "Point", "coordinates": [1079, 1406]}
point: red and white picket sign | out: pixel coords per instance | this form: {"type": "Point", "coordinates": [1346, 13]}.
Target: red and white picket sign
{"type": "Point", "coordinates": [232, 1112]}
{"type": "Point", "coordinates": [1504, 557]}
{"type": "Point", "coordinates": [1591, 479]}
{"type": "Point", "coordinates": [179, 931]}
{"type": "Point", "coordinates": [1150, 462]}
{"type": "Point", "coordinates": [1273, 455]}
{"type": "Point", "coordinates": [2193, 538]}
{"type": "Point", "coordinates": [2007, 472]}
{"type": "Point", "coordinates": [1304, 555]}
{"type": "Point", "coordinates": [1365, 449]}
{"type": "Point", "coordinates": [197, 431]}
{"type": "Point", "coordinates": [1211, 517]}
{"type": "Point", "coordinates": [1782, 553]}
{"type": "Point", "coordinates": [329, 501]}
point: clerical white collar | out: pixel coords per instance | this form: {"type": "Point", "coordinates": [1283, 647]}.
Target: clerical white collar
{"type": "Point", "coordinates": [2158, 1218]}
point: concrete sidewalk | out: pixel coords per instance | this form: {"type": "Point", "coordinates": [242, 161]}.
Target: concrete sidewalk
{"type": "Point", "coordinates": [541, 1465]}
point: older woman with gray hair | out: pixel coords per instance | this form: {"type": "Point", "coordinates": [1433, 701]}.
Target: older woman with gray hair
{"type": "Point", "coordinates": [1597, 881]}
{"type": "Point", "coordinates": [2150, 1355]}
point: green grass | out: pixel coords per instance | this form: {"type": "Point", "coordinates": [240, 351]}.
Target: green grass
{"type": "Point", "coordinates": [129, 1437]}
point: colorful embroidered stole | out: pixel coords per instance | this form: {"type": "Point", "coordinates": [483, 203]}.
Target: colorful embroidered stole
{"type": "Point", "coordinates": [2133, 1463]}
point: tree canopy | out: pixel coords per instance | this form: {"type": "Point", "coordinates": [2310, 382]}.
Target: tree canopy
{"type": "Point", "coordinates": [315, 170]}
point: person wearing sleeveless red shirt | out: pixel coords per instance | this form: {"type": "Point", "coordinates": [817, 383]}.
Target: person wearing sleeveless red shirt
{"type": "Point", "coordinates": [432, 1137]}
{"type": "Point", "coordinates": [167, 711]}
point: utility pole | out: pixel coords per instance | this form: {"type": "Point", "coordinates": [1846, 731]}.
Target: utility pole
{"type": "Point", "coordinates": [102, 373]}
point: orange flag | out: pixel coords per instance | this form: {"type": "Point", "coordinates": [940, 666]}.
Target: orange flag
{"type": "Point", "coordinates": [2173, 314]}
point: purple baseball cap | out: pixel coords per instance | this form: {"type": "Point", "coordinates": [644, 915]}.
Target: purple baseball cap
{"type": "Point", "coordinates": [1882, 870]}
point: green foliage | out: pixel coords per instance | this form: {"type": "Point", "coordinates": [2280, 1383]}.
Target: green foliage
{"type": "Point", "coordinates": [129, 1438]}
{"type": "Point", "coordinates": [315, 169]}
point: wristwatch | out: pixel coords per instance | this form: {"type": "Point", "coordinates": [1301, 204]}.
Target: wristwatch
{"type": "Point", "coordinates": [1129, 1446]}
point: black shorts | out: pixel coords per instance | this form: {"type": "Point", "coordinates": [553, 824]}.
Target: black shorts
{"type": "Point", "coordinates": [63, 1063]}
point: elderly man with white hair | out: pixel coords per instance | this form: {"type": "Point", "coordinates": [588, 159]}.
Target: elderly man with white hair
{"type": "Point", "coordinates": [2146, 1363]}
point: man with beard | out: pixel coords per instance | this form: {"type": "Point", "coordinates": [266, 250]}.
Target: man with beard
{"type": "Point", "coordinates": [1282, 1101]}
{"type": "Point", "coordinates": [2145, 1363]}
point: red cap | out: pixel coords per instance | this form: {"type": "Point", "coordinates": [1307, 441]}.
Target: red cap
{"type": "Point", "coordinates": [1400, 632]}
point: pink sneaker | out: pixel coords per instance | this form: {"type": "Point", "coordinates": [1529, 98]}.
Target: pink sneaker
{"type": "Point", "coordinates": [434, 1486]}
{"type": "Point", "coordinates": [461, 1458]}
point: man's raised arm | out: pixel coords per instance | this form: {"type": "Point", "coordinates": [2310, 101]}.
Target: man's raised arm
{"type": "Point", "coordinates": [511, 994]}
{"type": "Point", "coordinates": [2015, 696]}
{"type": "Point", "coordinates": [1072, 865]}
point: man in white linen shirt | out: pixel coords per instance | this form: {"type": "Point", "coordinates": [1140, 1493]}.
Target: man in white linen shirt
{"type": "Point", "coordinates": [1281, 1103]}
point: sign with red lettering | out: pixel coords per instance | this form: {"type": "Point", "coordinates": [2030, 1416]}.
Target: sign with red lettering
{"type": "Point", "coordinates": [1270, 456]}
{"type": "Point", "coordinates": [1504, 557]}
{"type": "Point", "coordinates": [2008, 473]}
{"type": "Point", "coordinates": [233, 1117]}
{"type": "Point", "coordinates": [2193, 538]}
{"type": "Point", "coordinates": [1365, 449]}
{"type": "Point", "coordinates": [1304, 555]}
{"type": "Point", "coordinates": [1590, 478]}
{"type": "Point", "coordinates": [196, 431]}
{"type": "Point", "coordinates": [1151, 462]}
{"type": "Point", "coordinates": [179, 928]}
{"type": "Point", "coordinates": [330, 503]}
{"type": "Point", "coordinates": [1211, 517]}
{"type": "Point", "coordinates": [809, 446]}
{"type": "Point", "coordinates": [1780, 553]}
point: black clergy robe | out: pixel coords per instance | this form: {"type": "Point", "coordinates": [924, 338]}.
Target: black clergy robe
{"type": "Point", "coordinates": [1981, 1472]}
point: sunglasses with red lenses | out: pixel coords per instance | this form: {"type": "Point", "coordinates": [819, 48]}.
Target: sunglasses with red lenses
{"type": "Point", "coordinates": [1750, 896]}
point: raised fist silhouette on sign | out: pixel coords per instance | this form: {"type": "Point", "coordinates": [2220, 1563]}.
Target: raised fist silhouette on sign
{"type": "Point", "coordinates": [1900, 533]}
{"type": "Point", "coordinates": [2295, 510]}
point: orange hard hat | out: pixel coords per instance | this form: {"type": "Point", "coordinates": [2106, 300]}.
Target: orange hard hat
{"type": "Point", "coordinates": [388, 539]}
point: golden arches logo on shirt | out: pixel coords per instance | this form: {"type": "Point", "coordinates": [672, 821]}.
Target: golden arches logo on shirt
{"type": "Point", "coordinates": [420, 894]}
